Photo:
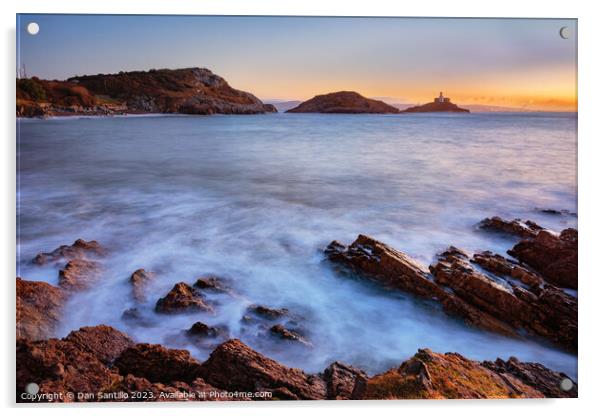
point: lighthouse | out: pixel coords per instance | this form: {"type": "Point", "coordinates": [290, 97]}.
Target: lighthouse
{"type": "Point", "coordinates": [441, 99]}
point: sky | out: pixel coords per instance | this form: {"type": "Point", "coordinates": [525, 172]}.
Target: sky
{"type": "Point", "coordinates": [522, 63]}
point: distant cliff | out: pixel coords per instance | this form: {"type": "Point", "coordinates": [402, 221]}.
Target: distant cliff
{"type": "Point", "coordinates": [436, 106]}
{"type": "Point", "coordinates": [343, 102]}
{"type": "Point", "coordinates": [185, 91]}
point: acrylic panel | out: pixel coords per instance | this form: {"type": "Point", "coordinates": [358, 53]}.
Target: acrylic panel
{"type": "Point", "coordinates": [295, 208]}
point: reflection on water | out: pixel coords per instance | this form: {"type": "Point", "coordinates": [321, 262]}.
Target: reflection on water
{"type": "Point", "coordinates": [256, 198]}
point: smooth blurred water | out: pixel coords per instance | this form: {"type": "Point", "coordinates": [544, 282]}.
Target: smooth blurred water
{"type": "Point", "coordinates": [257, 198]}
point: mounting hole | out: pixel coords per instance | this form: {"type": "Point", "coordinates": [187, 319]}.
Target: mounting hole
{"type": "Point", "coordinates": [566, 384]}
{"type": "Point", "coordinates": [32, 388]}
{"type": "Point", "coordinates": [564, 32]}
{"type": "Point", "coordinates": [33, 28]}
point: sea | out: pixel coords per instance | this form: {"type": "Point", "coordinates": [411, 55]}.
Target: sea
{"type": "Point", "coordinates": [255, 199]}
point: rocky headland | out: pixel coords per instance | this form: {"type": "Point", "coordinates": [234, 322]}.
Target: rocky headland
{"type": "Point", "coordinates": [183, 91]}
{"type": "Point", "coordinates": [347, 102]}
{"type": "Point", "coordinates": [519, 296]}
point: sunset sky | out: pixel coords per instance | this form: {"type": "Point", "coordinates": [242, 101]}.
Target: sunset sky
{"type": "Point", "coordinates": [506, 62]}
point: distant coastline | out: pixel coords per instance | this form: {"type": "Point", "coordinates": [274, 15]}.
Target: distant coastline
{"type": "Point", "coordinates": [195, 91]}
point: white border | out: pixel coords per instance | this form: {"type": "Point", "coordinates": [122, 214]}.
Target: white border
{"type": "Point", "coordinates": [589, 188]}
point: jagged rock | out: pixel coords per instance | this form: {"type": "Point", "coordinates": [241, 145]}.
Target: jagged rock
{"type": "Point", "coordinates": [343, 102]}
{"type": "Point", "coordinates": [268, 313]}
{"type": "Point", "coordinates": [212, 283]}
{"type": "Point", "coordinates": [104, 342]}
{"type": "Point", "coordinates": [525, 229]}
{"type": "Point", "coordinates": [39, 307]}
{"type": "Point", "coordinates": [430, 375]}
{"type": "Point", "coordinates": [158, 364]}
{"type": "Point", "coordinates": [59, 366]}
{"type": "Point", "coordinates": [344, 382]}
{"type": "Point", "coordinates": [397, 270]}
{"type": "Point", "coordinates": [454, 271]}
{"type": "Point", "coordinates": [501, 266]}
{"type": "Point", "coordinates": [80, 249]}
{"type": "Point", "coordinates": [551, 211]}
{"type": "Point", "coordinates": [197, 390]}
{"type": "Point", "coordinates": [139, 279]}
{"type": "Point", "coordinates": [554, 256]}
{"type": "Point", "coordinates": [182, 298]}
{"type": "Point", "coordinates": [535, 375]}
{"type": "Point", "coordinates": [79, 274]}
{"type": "Point", "coordinates": [202, 330]}
{"type": "Point", "coordinates": [545, 311]}
{"type": "Point", "coordinates": [288, 334]}
{"type": "Point", "coordinates": [234, 366]}
{"type": "Point", "coordinates": [383, 264]}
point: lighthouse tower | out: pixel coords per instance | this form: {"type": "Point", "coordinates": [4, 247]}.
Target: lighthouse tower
{"type": "Point", "coordinates": [441, 98]}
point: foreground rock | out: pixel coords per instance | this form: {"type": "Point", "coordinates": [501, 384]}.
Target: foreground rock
{"type": "Point", "coordinates": [518, 227]}
{"type": "Point", "coordinates": [158, 364]}
{"type": "Point", "coordinates": [80, 364]}
{"type": "Point", "coordinates": [79, 274]}
{"type": "Point", "coordinates": [139, 280]}
{"type": "Point", "coordinates": [541, 309]}
{"type": "Point", "coordinates": [104, 342]}
{"type": "Point", "coordinates": [280, 331]}
{"type": "Point", "coordinates": [397, 270]}
{"type": "Point", "coordinates": [39, 307]}
{"type": "Point", "coordinates": [554, 256]}
{"type": "Point", "coordinates": [429, 375]}
{"type": "Point", "coordinates": [516, 302]}
{"type": "Point", "coordinates": [234, 366]}
{"type": "Point", "coordinates": [182, 298]}
{"type": "Point", "coordinates": [549, 382]}
{"type": "Point", "coordinates": [84, 362]}
{"type": "Point", "coordinates": [344, 382]}
{"type": "Point", "coordinates": [343, 102]}
{"type": "Point", "coordinates": [80, 249]}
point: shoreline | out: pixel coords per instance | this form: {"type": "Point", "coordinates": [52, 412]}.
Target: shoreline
{"type": "Point", "coordinates": [370, 259]}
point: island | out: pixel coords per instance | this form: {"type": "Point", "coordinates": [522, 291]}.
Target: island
{"type": "Point", "coordinates": [439, 104]}
{"type": "Point", "coordinates": [183, 91]}
{"type": "Point", "coordinates": [348, 102]}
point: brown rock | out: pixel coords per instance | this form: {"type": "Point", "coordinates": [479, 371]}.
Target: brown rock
{"type": "Point", "coordinates": [234, 366]}
{"type": "Point", "coordinates": [104, 342]}
{"type": "Point", "coordinates": [60, 367]}
{"type": "Point", "coordinates": [543, 310]}
{"type": "Point", "coordinates": [430, 375]}
{"type": "Point", "coordinates": [182, 298]}
{"type": "Point", "coordinates": [139, 279]}
{"type": "Point", "coordinates": [343, 102]}
{"type": "Point", "coordinates": [80, 249]}
{"type": "Point", "coordinates": [397, 270]}
{"type": "Point", "coordinates": [454, 271]}
{"type": "Point", "coordinates": [267, 313]}
{"type": "Point", "coordinates": [39, 306]}
{"type": "Point", "coordinates": [383, 264]}
{"type": "Point", "coordinates": [79, 274]}
{"type": "Point", "coordinates": [202, 330]}
{"type": "Point", "coordinates": [535, 375]}
{"type": "Point", "coordinates": [344, 382]}
{"type": "Point", "coordinates": [212, 283]}
{"type": "Point", "coordinates": [288, 334]}
{"type": "Point", "coordinates": [554, 256]}
{"type": "Point", "coordinates": [525, 229]}
{"type": "Point", "coordinates": [158, 364]}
